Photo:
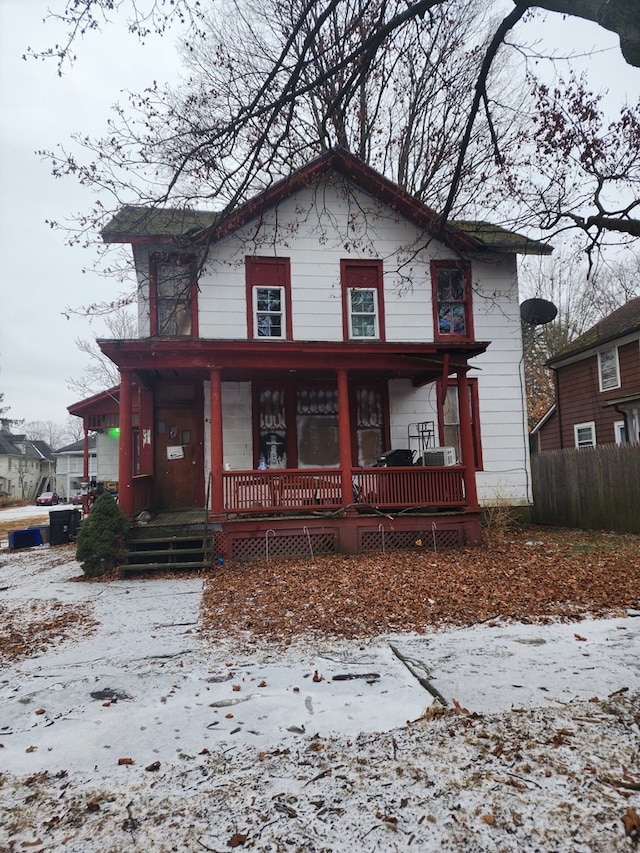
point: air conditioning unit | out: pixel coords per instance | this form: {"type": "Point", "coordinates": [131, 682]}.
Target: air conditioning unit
{"type": "Point", "coordinates": [439, 456]}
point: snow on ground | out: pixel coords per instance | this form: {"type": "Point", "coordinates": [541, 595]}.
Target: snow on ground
{"type": "Point", "coordinates": [137, 730]}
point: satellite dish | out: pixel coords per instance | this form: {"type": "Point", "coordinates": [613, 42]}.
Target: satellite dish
{"type": "Point", "coordinates": [537, 312]}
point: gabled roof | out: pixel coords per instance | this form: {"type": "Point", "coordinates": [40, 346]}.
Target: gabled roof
{"type": "Point", "coordinates": [136, 224]}
{"type": "Point", "coordinates": [621, 323]}
{"type": "Point", "coordinates": [12, 445]}
{"type": "Point", "coordinates": [547, 415]}
{"type": "Point", "coordinates": [102, 401]}
{"type": "Point", "coordinates": [78, 446]}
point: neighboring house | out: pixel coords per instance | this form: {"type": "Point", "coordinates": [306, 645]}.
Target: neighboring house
{"type": "Point", "coordinates": [70, 466]}
{"type": "Point", "coordinates": [27, 467]}
{"type": "Point", "coordinates": [99, 450]}
{"type": "Point", "coordinates": [284, 349]}
{"type": "Point", "coordinates": [597, 382]}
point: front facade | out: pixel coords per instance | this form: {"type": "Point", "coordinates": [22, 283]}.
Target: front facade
{"type": "Point", "coordinates": [282, 351]}
{"type": "Point", "coordinates": [27, 467]}
{"type": "Point", "coordinates": [597, 382]}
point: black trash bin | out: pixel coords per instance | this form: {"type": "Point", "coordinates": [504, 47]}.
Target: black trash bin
{"type": "Point", "coordinates": [63, 524]}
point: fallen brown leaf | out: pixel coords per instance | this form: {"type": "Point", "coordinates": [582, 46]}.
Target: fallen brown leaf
{"type": "Point", "coordinates": [565, 576]}
{"type": "Point", "coordinates": [631, 823]}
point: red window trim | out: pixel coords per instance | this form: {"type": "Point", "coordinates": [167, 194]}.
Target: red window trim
{"type": "Point", "coordinates": [277, 273]}
{"type": "Point", "coordinates": [345, 265]}
{"type": "Point", "coordinates": [475, 416]}
{"type": "Point", "coordinates": [465, 266]}
{"type": "Point", "coordinates": [154, 260]}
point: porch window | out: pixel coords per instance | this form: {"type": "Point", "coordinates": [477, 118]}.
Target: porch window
{"type": "Point", "coordinates": [317, 428]}
{"type": "Point", "coordinates": [449, 419]}
{"type": "Point", "coordinates": [451, 294]}
{"type": "Point", "coordinates": [272, 428]}
{"type": "Point", "coordinates": [297, 425]}
{"type": "Point", "coordinates": [369, 425]}
{"type": "Point", "coordinates": [608, 369]}
{"type": "Point", "coordinates": [268, 283]}
{"type": "Point", "coordinates": [362, 290]}
{"type": "Point", "coordinates": [173, 297]}
{"type": "Point", "coordinates": [585, 434]}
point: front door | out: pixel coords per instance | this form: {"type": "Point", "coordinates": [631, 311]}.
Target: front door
{"type": "Point", "coordinates": [179, 459]}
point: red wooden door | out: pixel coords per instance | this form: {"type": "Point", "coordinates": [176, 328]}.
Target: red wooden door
{"type": "Point", "coordinates": [178, 459]}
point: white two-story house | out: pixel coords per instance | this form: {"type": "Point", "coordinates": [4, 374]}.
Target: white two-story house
{"type": "Point", "coordinates": [284, 349]}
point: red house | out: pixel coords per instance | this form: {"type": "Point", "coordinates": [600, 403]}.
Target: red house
{"type": "Point", "coordinates": [597, 384]}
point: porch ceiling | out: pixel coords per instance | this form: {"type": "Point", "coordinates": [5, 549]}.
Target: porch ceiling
{"type": "Point", "coordinates": [237, 360]}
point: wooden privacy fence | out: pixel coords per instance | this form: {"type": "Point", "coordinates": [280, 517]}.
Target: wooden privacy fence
{"type": "Point", "coordinates": [596, 488]}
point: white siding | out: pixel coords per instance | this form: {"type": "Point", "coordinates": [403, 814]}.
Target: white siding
{"type": "Point", "coordinates": [237, 434]}
{"type": "Point", "coordinates": [317, 228]}
{"type": "Point", "coordinates": [107, 457]}
{"type": "Point", "coordinates": [315, 248]}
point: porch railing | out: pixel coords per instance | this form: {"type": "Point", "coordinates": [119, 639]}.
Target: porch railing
{"type": "Point", "coordinates": [254, 492]}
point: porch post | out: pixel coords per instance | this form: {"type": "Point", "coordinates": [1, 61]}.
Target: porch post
{"type": "Point", "coordinates": [217, 491]}
{"type": "Point", "coordinates": [344, 437]}
{"type": "Point", "coordinates": [466, 442]}
{"type": "Point", "coordinates": [125, 471]}
{"type": "Point", "coordinates": [85, 469]}
{"type": "Point", "coordinates": [85, 455]}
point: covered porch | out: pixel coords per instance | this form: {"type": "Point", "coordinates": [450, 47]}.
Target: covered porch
{"type": "Point", "coordinates": [346, 503]}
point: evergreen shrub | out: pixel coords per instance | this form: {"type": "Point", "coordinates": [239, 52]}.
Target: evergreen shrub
{"type": "Point", "coordinates": [102, 539]}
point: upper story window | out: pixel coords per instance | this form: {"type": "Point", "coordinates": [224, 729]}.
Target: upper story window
{"type": "Point", "coordinates": [268, 282]}
{"type": "Point", "coordinates": [608, 369]}
{"type": "Point", "coordinates": [269, 313]}
{"type": "Point", "coordinates": [452, 307]}
{"type": "Point", "coordinates": [173, 297]}
{"type": "Point", "coordinates": [362, 300]}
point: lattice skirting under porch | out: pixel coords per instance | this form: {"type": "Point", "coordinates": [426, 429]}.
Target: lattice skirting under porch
{"type": "Point", "coordinates": [282, 538]}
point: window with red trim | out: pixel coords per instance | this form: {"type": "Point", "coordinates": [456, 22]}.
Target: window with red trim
{"type": "Point", "coordinates": [362, 300]}
{"type": "Point", "coordinates": [173, 296]}
{"type": "Point", "coordinates": [449, 418]}
{"type": "Point", "coordinates": [268, 282]}
{"type": "Point", "coordinates": [452, 305]}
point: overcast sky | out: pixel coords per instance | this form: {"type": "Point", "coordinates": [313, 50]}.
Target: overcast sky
{"type": "Point", "coordinates": [40, 274]}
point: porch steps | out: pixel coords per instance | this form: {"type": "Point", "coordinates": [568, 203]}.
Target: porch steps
{"type": "Point", "coordinates": [166, 552]}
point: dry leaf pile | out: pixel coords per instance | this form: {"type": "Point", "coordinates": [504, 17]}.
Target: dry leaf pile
{"type": "Point", "coordinates": [26, 630]}
{"type": "Point", "coordinates": [532, 574]}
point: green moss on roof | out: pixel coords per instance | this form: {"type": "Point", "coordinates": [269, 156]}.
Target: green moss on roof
{"type": "Point", "coordinates": [501, 240]}
{"type": "Point", "coordinates": [136, 222]}
{"type": "Point", "coordinates": [132, 222]}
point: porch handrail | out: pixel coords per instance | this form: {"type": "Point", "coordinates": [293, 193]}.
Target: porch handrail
{"type": "Point", "coordinates": [317, 489]}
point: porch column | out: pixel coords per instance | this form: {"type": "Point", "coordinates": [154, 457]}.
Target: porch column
{"type": "Point", "coordinates": [125, 460]}
{"type": "Point", "coordinates": [217, 491]}
{"type": "Point", "coordinates": [466, 442]}
{"type": "Point", "coordinates": [344, 437]}
{"type": "Point", "coordinates": [85, 456]}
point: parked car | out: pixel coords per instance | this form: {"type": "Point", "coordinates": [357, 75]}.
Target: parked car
{"type": "Point", "coordinates": [76, 498]}
{"type": "Point", "coordinates": [47, 499]}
